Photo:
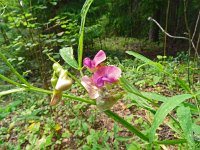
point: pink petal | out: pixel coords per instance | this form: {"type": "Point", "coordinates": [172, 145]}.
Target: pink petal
{"type": "Point", "coordinates": [99, 57]}
{"type": "Point", "coordinates": [106, 74]}
{"type": "Point", "coordinates": [92, 90]}
{"type": "Point", "coordinates": [113, 73]}
{"type": "Point", "coordinates": [87, 62]}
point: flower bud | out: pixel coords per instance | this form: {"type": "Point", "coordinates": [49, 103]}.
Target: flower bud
{"type": "Point", "coordinates": [54, 80]}
{"type": "Point", "coordinates": [57, 95]}
{"type": "Point", "coordinates": [64, 82]}
{"type": "Point", "coordinates": [57, 68]}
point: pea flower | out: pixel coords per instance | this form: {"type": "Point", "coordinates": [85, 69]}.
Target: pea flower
{"type": "Point", "coordinates": [104, 75]}
{"type": "Point", "coordinates": [100, 85]}
{"type": "Point", "coordinates": [92, 64]}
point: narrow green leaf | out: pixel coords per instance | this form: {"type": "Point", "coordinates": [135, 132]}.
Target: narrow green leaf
{"type": "Point", "coordinates": [84, 11]}
{"type": "Point", "coordinates": [146, 60]}
{"type": "Point", "coordinates": [185, 120]}
{"type": "Point", "coordinates": [68, 56]}
{"type": "Point", "coordinates": [161, 98]}
{"type": "Point", "coordinates": [155, 96]}
{"type": "Point", "coordinates": [139, 56]}
{"type": "Point", "coordinates": [12, 91]}
{"type": "Point", "coordinates": [183, 84]}
{"type": "Point", "coordinates": [162, 112]}
{"type": "Point", "coordinates": [131, 88]}
{"type": "Point", "coordinates": [135, 94]}
{"type": "Point", "coordinates": [171, 142]}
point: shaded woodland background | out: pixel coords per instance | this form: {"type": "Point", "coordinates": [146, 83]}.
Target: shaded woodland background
{"type": "Point", "coordinates": [30, 29]}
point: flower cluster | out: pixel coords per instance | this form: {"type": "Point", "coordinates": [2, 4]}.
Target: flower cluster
{"type": "Point", "coordinates": [102, 76]}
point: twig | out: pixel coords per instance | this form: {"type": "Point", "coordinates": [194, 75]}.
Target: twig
{"type": "Point", "coordinates": [175, 37]}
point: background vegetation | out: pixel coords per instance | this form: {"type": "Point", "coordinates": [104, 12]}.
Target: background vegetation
{"type": "Point", "coordinates": [33, 29]}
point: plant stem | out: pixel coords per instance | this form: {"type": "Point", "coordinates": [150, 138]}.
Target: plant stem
{"type": "Point", "coordinates": [126, 125]}
{"type": "Point", "coordinates": [9, 81]}
{"type": "Point", "coordinates": [12, 91]}
{"type": "Point", "coordinates": [13, 70]}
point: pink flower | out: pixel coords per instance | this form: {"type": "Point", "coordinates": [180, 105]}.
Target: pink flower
{"type": "Point", "coordinates": [104, 75]}
{"type": "Point", "coordinates": [99, 58]}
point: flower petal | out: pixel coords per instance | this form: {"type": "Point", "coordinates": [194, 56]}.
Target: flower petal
{"type": "Point", "coordinates": [99, 57]}
{"type": "Point", "coordinates": [92, 90]}
{"type": "Point", "coordinates": [64, 82]}
{"type": "Point", "coordinates": [106, 74]}
{"type": "Point", "coordinates": [87, 62]}
{"type": "Point", "coordinates": [113, 73]}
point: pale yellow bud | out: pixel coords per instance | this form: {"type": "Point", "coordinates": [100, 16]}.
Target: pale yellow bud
{"type": "Point", "coordinates": [64, 82]}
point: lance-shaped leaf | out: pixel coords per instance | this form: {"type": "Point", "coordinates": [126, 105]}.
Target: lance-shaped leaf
{"type": "Point", "coordinates": [185, 120]}
{"type": "Point", "coordinates": [146, 60]}
{"type": "Point", "coordinates": [162, 112]}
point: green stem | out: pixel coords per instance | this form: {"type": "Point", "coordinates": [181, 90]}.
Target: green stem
{"type": "Point", "coordinates": [13, 70]}
{"type": "Point", "coordinates": [92, 102]}
{"type": "Point", "coordinates": [9, 81]}
{"type": "Point", "coordinates": [74, 78]}
{"type": "Point", "coordinates": [126, 124]}
{"type": "Point", "coordinates": [32, 88]}
{"type": "Point", "coordinates": [12, 91]}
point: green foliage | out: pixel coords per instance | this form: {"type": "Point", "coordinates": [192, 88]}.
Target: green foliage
{"type": "Point", "coordinates": [164, 109]}
{"type": "Point", "coordinates": [185, 119]}
{"type": "Point", "coordinates": [33, 124]}
{"type": "Point", "coordinates": [67, 55]}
